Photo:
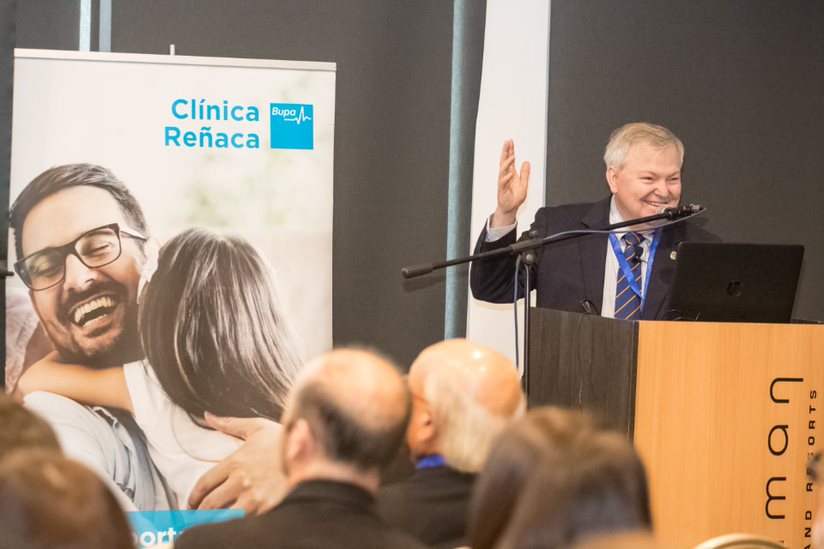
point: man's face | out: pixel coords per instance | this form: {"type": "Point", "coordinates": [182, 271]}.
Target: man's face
{"type": "Point", "coordinates": [649, 181]}
{"type": "Point", "coordinates": [91, 317]}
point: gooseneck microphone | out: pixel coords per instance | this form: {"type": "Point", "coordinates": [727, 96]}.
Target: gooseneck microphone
{"type": "Point", "coordinates": [682, 211]}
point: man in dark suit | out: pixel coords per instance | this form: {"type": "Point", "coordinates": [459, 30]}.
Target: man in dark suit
{"type": "Point", "coordinates": [462, 396]}
{"type": "Point", "coordinates": [643, 170]}
{"type": "Point", "coordinates": [344, 420]}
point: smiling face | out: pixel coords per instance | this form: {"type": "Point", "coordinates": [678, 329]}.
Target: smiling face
{"type": "Point", "coordinates": [648, 181]}
{"type": "Point", "coordinates": [90, 317]}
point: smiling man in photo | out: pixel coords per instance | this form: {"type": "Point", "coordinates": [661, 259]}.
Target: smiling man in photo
{"type": "Point", "coordinates": [82, 254]}
{"type": "Point", "coordinates": [79, 237]}
{"type": "Point", "coordinates": [81, 242]}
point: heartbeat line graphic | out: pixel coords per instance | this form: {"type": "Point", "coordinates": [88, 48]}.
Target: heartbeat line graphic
{"type": "Point", "coordinates": [301, 117]}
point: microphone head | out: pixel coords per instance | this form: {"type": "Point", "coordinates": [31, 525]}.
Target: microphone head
{"type": "Point", "coordinates": [683, 211]}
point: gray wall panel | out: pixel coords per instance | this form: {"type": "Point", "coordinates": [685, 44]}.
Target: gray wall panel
{"type": "Point", "coordinates": [48, 24]}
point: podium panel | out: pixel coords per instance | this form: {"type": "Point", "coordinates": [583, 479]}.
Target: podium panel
{"type": "Point", "coordinates": [725, 418]}
{"type": "Point", "coordinates": [724, 415]}
{"type": "Point", "coordinates": [584, 362]}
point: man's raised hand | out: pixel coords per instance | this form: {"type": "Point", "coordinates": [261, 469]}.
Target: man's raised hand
{"type": "Point", "coordinates": [512, 186]}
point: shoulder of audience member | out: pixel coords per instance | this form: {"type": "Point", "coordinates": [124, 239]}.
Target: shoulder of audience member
{"type": "Point", "coordinates": [224, 534]}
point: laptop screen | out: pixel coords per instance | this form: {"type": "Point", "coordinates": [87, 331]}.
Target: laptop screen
{"type": "Point", "coordinates": [726, 282]}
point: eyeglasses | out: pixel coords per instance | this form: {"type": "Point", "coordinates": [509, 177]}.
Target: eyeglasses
{"type": "Point", "coordinates": [95, 248]}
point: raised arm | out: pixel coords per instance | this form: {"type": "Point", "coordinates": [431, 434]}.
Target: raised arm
{"type": "Point", "coordinates": [512, 186]}
{"type": "Point", "coordinates": [95, 387]}
{"type": "Point", "coordinates": [491, 279]}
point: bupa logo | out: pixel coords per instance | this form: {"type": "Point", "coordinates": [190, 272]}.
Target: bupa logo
{"type": "Point", "coordinates": [292, 126]}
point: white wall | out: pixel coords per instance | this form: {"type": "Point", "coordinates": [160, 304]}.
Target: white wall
{"type": "Point", "coordinates": [513, 105]}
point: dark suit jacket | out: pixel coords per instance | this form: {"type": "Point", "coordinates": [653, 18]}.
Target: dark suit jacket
{"type": "Point", "coordinates": [316, 514]}
{"type": "Point", "coordinates": [569, 273]}
{"type": "Point", "coordinates": [431, 505]}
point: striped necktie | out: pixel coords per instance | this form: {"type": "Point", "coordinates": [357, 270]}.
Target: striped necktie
{"type": "Point", "coordinates": [627, 303]}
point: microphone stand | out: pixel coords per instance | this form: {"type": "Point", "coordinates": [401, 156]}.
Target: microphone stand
{"type": "Point", "coordinates": [525, 249]}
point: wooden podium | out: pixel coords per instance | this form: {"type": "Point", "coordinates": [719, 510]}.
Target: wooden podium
{"type": "Point", "coordinates": [724, 415]}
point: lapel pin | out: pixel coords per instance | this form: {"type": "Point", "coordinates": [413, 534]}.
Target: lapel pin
{"type": "Point", "coordinates": [673, 255]}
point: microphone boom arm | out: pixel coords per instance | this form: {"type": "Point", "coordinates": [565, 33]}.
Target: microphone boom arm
{"type": "Point", "coordinates": [675, 215]}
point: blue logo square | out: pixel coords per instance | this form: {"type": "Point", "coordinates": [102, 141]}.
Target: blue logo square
{"type": "Point", "coordinates": [292, 126]}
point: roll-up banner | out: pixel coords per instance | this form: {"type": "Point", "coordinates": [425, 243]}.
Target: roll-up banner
{"type": "Point", "coordinates": [171, 216]}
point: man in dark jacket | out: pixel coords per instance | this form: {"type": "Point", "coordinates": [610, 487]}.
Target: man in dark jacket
{"type": "Point", "coordinates": [643, 170]}
{"type": "Point", "coordinates": [462, 396]}
{"type": "Point", "coordinates": [344, 420]}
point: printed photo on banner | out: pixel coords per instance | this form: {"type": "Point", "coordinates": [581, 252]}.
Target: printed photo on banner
{"type": "Point", "coordinates": [171, 236]}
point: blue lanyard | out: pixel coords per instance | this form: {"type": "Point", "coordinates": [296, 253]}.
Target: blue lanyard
{"type": "Point", "coordinates": [428, 462]}
{"type": "Point", "coordinates": [627, 270]}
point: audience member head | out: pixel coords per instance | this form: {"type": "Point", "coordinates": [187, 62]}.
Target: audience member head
{"type": "Point", "coordinates": [344, 419]}
{"type": "Point", "coordinates": [553, 478]}
{"type": "Point", "coordinates": [462, 396]}
{"type": "Point", "coordinates": [23, 429]}
{"type": "Point", "coordinates": [213, 328]}
{"type": "Point", "coordinates": [48, 501]}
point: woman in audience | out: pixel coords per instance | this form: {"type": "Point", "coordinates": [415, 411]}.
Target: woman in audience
{"type": "Point", "coordinates": [553, 479]}
{"type": "Point", "coordinates": [50, 502]}
{"type": "Point", "coordinates": [216, 342]}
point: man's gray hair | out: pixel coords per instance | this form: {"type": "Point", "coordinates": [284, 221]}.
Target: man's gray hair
{"type": "Point", "coordinates": [466, 430]}
{"type": "Point", "coordinates": [638, 132]}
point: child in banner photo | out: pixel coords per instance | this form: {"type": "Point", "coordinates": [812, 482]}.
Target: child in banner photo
{"type": "Point", "coordinates": [215, 341]}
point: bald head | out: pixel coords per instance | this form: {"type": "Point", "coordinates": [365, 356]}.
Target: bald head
{"type": "Point", "coordinates": [487, 377]}
{"type": "Point", "coordinates": [464, 394]}
{"type": "Point", "coordinates": [356, 403]}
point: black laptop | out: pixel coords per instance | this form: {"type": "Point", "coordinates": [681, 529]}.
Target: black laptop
{"type": "Point", "coordinates": [724, 282]}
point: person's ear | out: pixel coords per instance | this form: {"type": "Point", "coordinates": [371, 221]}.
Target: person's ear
{"type": "Point", "coordinates": [300, 442]}
{"type": "Point", "coordinates": [612, 174]}
{"type": "Point", "coordinates": [425, 429]}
